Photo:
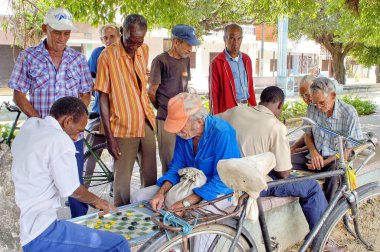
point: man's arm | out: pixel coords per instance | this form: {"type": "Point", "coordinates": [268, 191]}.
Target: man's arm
{"type": "Point", "coordinates": [23, 103]}
{"type": "Point", "coordinates": [152, 90]}
{"type": "Point", "coordinates": [295, 148]}
{"type": "Point", "coordinates": [316, 158]}
{"type": "Point", "coordinates": [84, 195]}
{"type": "Point", "coordinates": [112, 144]}
{"type": "Point", "coordinates": [86, 98]}
{"type": "Point", "coordinates": [158, 200]}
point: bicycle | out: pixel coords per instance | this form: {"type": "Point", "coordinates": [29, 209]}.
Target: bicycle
{"type": "Point", "coordinates": [13, 109]}
{"type": "Point", "coordinates": [224, 230]}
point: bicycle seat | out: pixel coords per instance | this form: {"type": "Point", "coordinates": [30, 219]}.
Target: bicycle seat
{"type": "Point", "coordinates": [247, 174]}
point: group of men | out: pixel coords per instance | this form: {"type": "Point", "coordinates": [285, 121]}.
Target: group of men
{"type": "Point", "coordinates": [55, 76]}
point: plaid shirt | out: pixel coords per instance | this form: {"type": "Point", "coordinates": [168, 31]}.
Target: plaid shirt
{"type": "Point", "coordinates": [344, 119]}
{"type": "Point", "coordinates": [35, 73]}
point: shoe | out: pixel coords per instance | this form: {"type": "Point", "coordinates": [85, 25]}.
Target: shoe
{"type": "Point", "coordinates": [332, 246]}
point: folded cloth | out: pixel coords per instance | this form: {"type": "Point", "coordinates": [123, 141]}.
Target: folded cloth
{"type": "Point", "coordinates": [190, 178]}
{"type": "Point", "coordinates": [247, 174]}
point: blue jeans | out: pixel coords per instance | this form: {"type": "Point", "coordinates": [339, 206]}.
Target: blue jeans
{"type": "Point", "coordinates": [78, 208]}
{"type": "Point", "coordinates": [312, 200]}
{"type": "Point", "coordinates": [67, 236]}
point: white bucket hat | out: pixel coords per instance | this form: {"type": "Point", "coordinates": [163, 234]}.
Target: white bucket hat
{"type": "Point", "coordinates": [59, 19]}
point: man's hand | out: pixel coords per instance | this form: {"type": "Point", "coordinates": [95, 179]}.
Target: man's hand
{"type": "Point", "coordinates": [113, 147]}
{"type": "Point", "coordinates": [316, 161]}
{"type": "Point", "coordinates": [104, 205]}
{"type": "Point", "coordinates": [157, 202]}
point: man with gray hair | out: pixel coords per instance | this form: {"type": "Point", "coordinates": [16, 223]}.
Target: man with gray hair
{"type": "Point", "coordinates": [304, 93]}
{"type": "Point", "coordinates": [230, 77]}
{"type": "Point", "coordinates": [202, 140]}
{"type": "Point", "coordinates": [334, 114]}
{"type": "Point", "coordinates": [169, 76]}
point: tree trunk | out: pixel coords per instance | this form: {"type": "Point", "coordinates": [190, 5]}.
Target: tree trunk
{"type": "Point", "coordinates": [377, 72]}
{"type": "Point", "coordinates": [338, 67]}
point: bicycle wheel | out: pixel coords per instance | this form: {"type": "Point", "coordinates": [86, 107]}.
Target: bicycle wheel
{"type": "Point", "coordinates": [97, 173]}
{"type": "Point", "coordinates": [215, 237]}
{"type": "Point", "coordinates": [368, 216]}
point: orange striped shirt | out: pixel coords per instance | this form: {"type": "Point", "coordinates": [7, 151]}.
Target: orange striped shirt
{"type": "Point", "coordinates": [116, 76]}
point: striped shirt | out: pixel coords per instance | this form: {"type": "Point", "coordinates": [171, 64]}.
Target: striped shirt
{"type": "Point", "coordinates": [344, 119]}
{"type": "Point", "coordinates": [35, 73]}
{"type": "Point", "coordinates": [129, 103]}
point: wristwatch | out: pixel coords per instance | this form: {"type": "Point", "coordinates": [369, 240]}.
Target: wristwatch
{"type": "Point", "coordinates": [186, 203]}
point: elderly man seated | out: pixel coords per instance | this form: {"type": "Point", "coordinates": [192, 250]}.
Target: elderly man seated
{"type": "Point", "coordinates": [202, 140]}
{"type": "Point", "coordinates": [334, 114]}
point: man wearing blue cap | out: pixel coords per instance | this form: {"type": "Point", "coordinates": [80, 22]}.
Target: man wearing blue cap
{"type": "Point", "coordinates": [170, 73]}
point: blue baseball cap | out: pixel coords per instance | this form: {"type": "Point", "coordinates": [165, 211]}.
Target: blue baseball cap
{"type": "Point", "coordinates": [186, 33]}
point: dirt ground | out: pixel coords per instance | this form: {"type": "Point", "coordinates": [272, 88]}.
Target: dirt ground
{"type": "Point", "coordinates": [369, 220]}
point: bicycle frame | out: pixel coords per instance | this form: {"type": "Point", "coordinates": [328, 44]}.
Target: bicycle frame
{"type": "Point", "coordinates": [342, 191]}
{"type": "Point", "coordinates": [11, 108]}
{"type": "Point", "coordinates": [107, 176]}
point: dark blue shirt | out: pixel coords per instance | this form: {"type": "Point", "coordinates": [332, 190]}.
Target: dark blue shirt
{"type": "Point", "coordinates": [92, 64]}
{"type": "Point", "coordinates": [217, 142]}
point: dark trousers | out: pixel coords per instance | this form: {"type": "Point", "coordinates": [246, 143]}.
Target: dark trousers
{"type": "Point", "coordinates": [78, 208]}
{"type": "Point", "coordinates": [330, 186]}
{"type": "Point", "coordinates": [313, 202]}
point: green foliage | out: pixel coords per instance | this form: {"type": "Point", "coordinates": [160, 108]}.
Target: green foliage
{"type": "Point", "coordinates": [364, 107]}
{"type": "Point", "coordinates": [293, 109]}
{"type": "Point", "coordinates": [5, 130]}
{"type": "Point", "coordinates": [366, 55]}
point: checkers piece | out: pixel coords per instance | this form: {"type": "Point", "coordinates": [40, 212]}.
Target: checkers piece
{"type": "Point", "coordinates": [97, 226]}
{"type": "Point", "coordinates": [131, 228]}
{"type": "Point", "coordinates": [112, 222]}
{"type": "Point", "coordinates": [141, 205]}
{"type": "Point", "coordinates": [134, 223]}
{"type": "Point", "coordinates": [147, 219]}
{"type": "Point", "coordinates": [129, 214]}
{"type": "Point", "coordinates": [99, 221]}
{"type": "Point", "coordinates": [127, 237]}
{"type": "Point", "coordinates": [155, 228]}
{"type": "Point", "coordinates": [101, 217]}
{"type": "Point", "coordinates": [125, 218]}
{"type": "Point", "coordinates": [107, 226]}
{"type": "Point", "coordinates": [118, 213]}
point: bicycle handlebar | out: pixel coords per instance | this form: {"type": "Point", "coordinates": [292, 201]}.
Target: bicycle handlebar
{"type": "Point", "coordinates": [11, 108]}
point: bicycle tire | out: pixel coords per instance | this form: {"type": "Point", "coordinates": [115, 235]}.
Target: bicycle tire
{"type": "Point", "coordinates": [368, 197]}
{"type": "Point", "coordinates": [225, 230]}
{"type": "Point", "coordinates": [98, 180]}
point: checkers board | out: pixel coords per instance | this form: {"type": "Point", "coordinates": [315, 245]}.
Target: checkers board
{"type": "Point", "coordinates": [133, 222]}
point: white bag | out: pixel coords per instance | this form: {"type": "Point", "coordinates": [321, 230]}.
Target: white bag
{"type": "Point", "coordinates": [190, 178]}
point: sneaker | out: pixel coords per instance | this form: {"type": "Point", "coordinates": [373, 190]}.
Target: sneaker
{"type": "Point", "coordinates": [332, 246]}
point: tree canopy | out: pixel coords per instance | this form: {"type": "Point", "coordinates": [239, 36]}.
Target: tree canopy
{"type": "Point", "coordinates": [339, 25]}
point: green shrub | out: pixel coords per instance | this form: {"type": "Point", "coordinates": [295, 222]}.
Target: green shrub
{"type": "Point", "coordinates": [5, 130]}
{"type": "Point", "coordinates": [293, 109]}
{"type": "Point", "coordinates": [364, 107]}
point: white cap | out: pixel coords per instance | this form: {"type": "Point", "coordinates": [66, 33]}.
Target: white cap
{"type": "Point", "coordinates": [59, 19]}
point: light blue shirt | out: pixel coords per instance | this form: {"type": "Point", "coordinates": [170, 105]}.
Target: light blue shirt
{"type": "Point", "coordinates": [344, 119]}
{"type": "Point", "coordinates": [240, 76]}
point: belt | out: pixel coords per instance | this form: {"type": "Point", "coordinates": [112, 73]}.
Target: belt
{"type": "Point", "coordinates": [242, 102]}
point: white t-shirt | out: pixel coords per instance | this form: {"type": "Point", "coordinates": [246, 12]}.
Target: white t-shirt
{"type": "Point", "coordinates": [44, 169]}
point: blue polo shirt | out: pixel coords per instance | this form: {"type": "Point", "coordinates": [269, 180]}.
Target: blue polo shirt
{"type": "Point", "coordinates": [92, 64]}
{"type": "Point", "coordinates": [239, 74]}
{"type": "Point", "coordinates": [217, 142]}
